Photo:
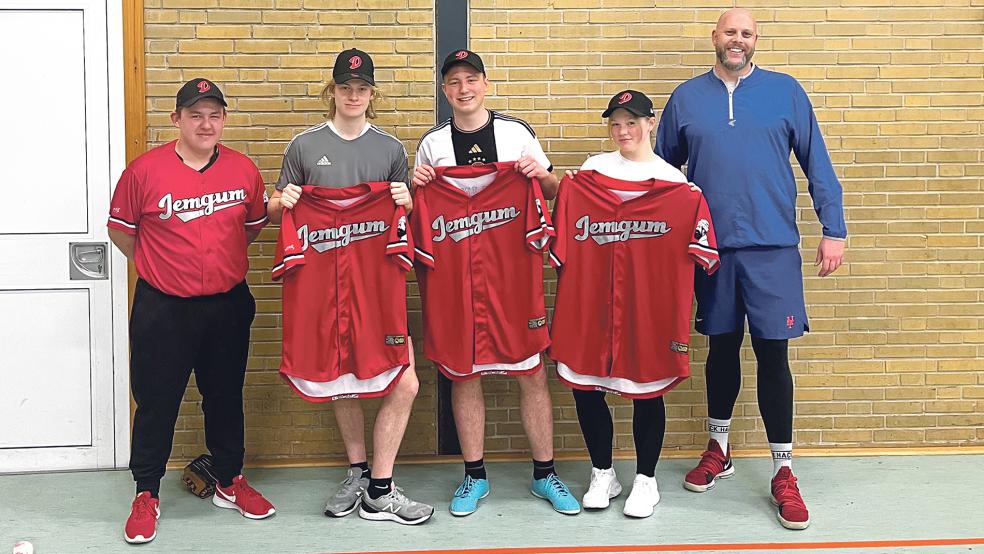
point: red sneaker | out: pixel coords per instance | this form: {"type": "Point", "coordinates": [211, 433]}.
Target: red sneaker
{"type": "Point", "coordinates": [786, 495]}
{"type": "Point", "coordinates": [240, 496]}
{"type": "Point", "coordinates": [713, 464]}
{"type": "Point", "coordinates": [141, 526]}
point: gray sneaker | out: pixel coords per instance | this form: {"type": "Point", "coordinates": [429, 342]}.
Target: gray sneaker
{"type": "Point", "coordinates": [396, 507]}
{"type": "Point", "coordinates": [346, 498]}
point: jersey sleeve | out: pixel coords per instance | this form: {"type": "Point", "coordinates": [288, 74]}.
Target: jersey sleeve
{"type": "Point", "coordinates": [558, 247]}
{"type": "Point", "coordinates": [539, 225]}
{"type": "Point", "coordinates": [535, 151]}
{"type": "Point", "coordinates": [290, 168]}
{"type": "Point", "coordinates": [399, 245]}
{"type": "Point", "coordinates": [399, 170]}
{"type": "Point", "coordinates": [703, 246]}
{"type": "Point", "coordinates": [256, 213]}
{"type": "Point", "coordinates": [289, 253]}
{"type": "Point", "coordinates": [124, 209]}
{"type": "Point", "coordinates": [423, 249]}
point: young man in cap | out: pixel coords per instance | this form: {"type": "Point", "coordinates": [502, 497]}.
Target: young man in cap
{"type": "Point", "coordinates": [343, 151]}
{"type": "Point", "coordinates": [184, 213]}
{"type": "Point", "coordinates": [477, 135]}
{"type": "Point", "coordinates": [735, 126]}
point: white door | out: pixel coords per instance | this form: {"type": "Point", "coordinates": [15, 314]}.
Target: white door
{"type": "Point", "coordinates": [63, 384]}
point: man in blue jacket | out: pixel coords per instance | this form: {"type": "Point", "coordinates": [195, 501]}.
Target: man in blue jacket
{"type": "Point", "coordinates": [735, 127]}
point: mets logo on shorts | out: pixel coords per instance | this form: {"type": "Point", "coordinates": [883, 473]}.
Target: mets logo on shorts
{"type": "Point", "coordinates": [462, 54]}
{"type": "Point", "coordinates": [203, 86]}
{"type": "Point", "coordinates": [625, 97]}
{"type": "Point", "coordinates": [790, 321]}
{"type": "Point", "coordinates": [355, 62]}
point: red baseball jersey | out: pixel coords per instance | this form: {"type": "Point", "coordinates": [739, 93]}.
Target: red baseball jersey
{"type": "Point", "coordinates": [190, 225]}
{"type": "Point", "coordinates": [625, 253]}
{"type": "Point", "coordinates": [343, 254]}
{"type": "Point", "coordinates": [481, 232]}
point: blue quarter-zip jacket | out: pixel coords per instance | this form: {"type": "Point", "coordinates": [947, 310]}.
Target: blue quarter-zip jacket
{"type": "Point", "coordinates": [736, 147]}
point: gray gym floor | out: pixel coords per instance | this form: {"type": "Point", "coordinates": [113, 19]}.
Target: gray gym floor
{"type": "Point", "coordinates": [886, 502]}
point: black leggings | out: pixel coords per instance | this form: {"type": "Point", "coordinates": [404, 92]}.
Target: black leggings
{"type": "Point", "coordinates": [648, 427]}
{"type": "Point", "coordinates": [775, 382]}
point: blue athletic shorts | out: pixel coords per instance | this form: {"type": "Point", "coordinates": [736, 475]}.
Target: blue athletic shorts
{"type": "Point", "coordinates": [764, 284]}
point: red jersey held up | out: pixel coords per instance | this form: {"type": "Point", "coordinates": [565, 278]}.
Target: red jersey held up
{"type": "Point", "coordinates": [625, 253]}
{"type": "Point", "coordinates": [343, 254]}
{"type": "Point", "coordinates": [190, 226]}
{"type": "Point", "coordinates": [481, 231]}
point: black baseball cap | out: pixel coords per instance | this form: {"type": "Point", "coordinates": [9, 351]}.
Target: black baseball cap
{"type": "Point", "coordinates": [632, 100]}
{"type": "Point", "coordinates": [196, 89]}
{"type": "Point", "coordinates": [462, 56]}
{"type": "Point", "coordinates": [353, 64]}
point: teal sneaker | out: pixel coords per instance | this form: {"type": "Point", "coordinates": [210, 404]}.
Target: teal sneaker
{"type": "Point", "coordinates": [554, 490]}
{"type": "Point", "coordinates": [466, 498]}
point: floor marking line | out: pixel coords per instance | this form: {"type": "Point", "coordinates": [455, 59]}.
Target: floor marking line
{"type": "Point", "coordinates": [707, 547]}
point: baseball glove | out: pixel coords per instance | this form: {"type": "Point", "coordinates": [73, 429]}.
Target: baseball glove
{"type": "Point", "coordinates": [199, 476]}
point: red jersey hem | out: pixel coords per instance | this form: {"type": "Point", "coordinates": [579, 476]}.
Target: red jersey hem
{"type": "Point", "coordinates": [354, 395]}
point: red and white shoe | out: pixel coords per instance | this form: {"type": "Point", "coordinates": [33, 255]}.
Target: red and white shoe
{"type": "Point", "coordinates": [240, 496]}
{"type": "Point", "coordinates": [713, 464]}
{"type": "Point", "coordinates": [786, 496]}
{"type": "Point", "coordinates": [141, 526]}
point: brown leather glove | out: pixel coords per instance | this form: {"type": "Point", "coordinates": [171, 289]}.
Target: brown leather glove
{"type": "Point", "coordinates": [199, 476]}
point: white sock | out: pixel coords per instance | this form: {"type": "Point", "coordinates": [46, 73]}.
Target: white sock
{"type": "Point", "coordinates": [719, 428]}
{"type": "Point", "coordinates": [782, 455]}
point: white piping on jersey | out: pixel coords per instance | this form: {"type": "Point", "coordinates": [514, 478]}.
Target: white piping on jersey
{"type": "Point", "coordinates": [385, 134]}
{"type": "Point", "coordinates": [317, 127]}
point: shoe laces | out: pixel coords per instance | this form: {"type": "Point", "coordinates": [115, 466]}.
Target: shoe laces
{"type": "Point", "coordinates": [143, 506]}
{"type": "Point", "coordinates": [244, 490]}
{"type": "Point", "coordinates": [598, 474]}
{"type": "Point", "coordinates": [351, 481]}
{"type": "Point", "coordinates": [711, 461]}
{"type": "Point", "coordinates": [557, 485]}
{"type": "Point", "coordinates": [396, 493]}
{"type": "Point", "coordinates": [466, 486]}
{"type": "Point", "coordinates": [787, 492]}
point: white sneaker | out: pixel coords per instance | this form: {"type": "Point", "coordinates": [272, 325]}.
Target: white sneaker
{"type": "Point", "coordinates": [643, 498]}
{"type": "Point", "coordinates": [604, 486]}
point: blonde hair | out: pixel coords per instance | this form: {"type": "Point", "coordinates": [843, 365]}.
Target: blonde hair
{"type": "Point", "coordinates": [328, 97]}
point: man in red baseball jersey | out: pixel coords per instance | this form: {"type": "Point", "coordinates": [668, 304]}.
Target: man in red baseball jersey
{"type": "Point", "coordinates": [184, 213]}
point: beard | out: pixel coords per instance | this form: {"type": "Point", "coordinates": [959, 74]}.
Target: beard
{"type": "Point", "coordinates": [722, 56]}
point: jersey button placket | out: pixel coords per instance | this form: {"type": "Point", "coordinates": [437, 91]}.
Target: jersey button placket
{"type": "Point", "coordinates": [479, 291]}
{"type": "Point", "coordinates": [343, 300]}
{"type": "Point", "coordinates": [616, 313]}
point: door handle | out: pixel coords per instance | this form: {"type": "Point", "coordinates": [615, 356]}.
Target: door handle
{"type": "Point", "coordinates": [87, 261]}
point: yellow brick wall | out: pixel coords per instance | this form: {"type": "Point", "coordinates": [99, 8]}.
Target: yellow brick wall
{"type": "Point", "coordinates": [271, 59]}
{"type": "Point", "coordinates": [894, 358]}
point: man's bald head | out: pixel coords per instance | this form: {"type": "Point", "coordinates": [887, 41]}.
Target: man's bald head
{"type": "Point", "coordinates": [739, 16]}
{"type": "Point", "coordinates": [734, 40]}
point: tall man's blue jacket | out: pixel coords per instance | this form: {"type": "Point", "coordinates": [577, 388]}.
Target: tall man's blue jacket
{"type": "Point", "coordinates": [736, 147]}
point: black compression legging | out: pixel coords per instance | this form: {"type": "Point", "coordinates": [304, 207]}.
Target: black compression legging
{"type": "Point", "coordinates": [775, 382]}
{"type": "Point", "coordinates": [648, 427]}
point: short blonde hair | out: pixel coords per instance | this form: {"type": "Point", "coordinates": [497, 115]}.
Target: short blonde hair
{"type": "Point", "coordinates": [328, 97]}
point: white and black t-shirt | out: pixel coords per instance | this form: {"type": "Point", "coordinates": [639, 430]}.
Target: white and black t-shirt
{"type": "Point", "coordinates": [502, 139]}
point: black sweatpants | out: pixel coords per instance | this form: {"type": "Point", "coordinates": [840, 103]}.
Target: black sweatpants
{"type": "Point", "coordinates": [648, 429]}
{"type": "Point", "coordinates": [169, 337]}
